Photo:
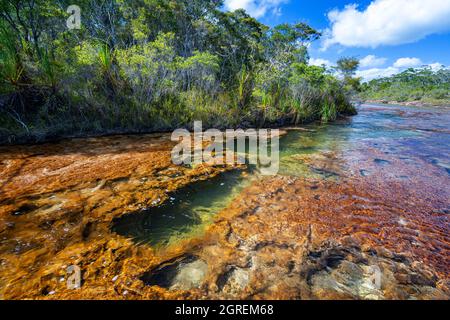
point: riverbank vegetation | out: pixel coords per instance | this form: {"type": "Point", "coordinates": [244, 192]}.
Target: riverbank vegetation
{"type": "Point", "coordinates": [154, 65]}
{"type": "Point", "coordinates": [413, 85]}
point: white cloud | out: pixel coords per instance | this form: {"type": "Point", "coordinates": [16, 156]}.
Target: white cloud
{"type": "Point", "coordinates": [436, 66]}
{"type": "Point", "coordinates": [320, 62]}
{"type": "Point", "coordinates": [407, 63]}
{"type": "Point", "coordinates": [374, 73]}
{"type": "Point", "coordinates": [256, 8]}
{"type": "Point", "coordinates": [371, 61]}
{"type": "Point", "coordinates": [387, 22]}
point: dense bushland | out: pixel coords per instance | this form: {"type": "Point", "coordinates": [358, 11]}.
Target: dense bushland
{"type": "Point", "coordinates": [423, 85]}
{"type": "Point", "coordinates": [153, 65]}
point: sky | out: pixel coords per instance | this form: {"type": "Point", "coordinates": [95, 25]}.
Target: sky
{"type": "Point", "coordinates": [388, 36]}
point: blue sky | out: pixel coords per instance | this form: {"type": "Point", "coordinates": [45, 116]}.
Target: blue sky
{"type": "Point", "coordinates": [387, 35]}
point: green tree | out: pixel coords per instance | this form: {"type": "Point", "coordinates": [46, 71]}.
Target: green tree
{"type": "Point", "coordinates": [154, 65]}
{"type": "Point", "coordinates": [347, 66]}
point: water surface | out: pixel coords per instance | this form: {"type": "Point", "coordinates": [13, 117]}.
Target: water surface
{"type": "Point", "coordinates": [380, 140]}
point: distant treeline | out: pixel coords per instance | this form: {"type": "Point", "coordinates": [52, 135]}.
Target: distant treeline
{"type": "Point", "coordinates": [424, 85]}
{"type": "Point", "coordinates": [151, 65]}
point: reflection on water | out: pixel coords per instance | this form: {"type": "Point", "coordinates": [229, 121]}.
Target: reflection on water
{"type": "Point", "coordinates": [403, 134]}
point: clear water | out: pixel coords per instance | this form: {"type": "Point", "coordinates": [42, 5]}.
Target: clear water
{"type": "Point", "coordinates": [186, 213]}
{"type": "Point", "coordinates": [318, 151]}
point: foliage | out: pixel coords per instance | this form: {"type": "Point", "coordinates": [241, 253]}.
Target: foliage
{"type": "Point", "coordinates": [148, 65]}
{"type": "Point", "coordinates": [422, 84]}
{"type": "Point", "coordinates": [10, 67]}
{"type": "Point", "coordinates": [347, 66]}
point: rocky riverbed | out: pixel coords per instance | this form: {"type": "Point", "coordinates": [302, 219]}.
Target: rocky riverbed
{"type": "Point", "coordinates": [359, 210]}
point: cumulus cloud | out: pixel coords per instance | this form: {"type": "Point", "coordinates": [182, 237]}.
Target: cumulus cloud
{"type": "Point", "coordinates": [399, 66]}
{"type": "Point", "coordinates": [371, 61]}
{"type": "Point", "coordinates": [436, 66]}
{"type": "Point", "coordinates": [320, 62]}
{"type": "Point", "coordinates": [256, 8]}
{"type": "Point", "coordinates": [387, 22]}
{"type": "Point", "coordinates": [375, 73]}
{"type": "Point", "coordinates": [370, 66]}
{"type": "Point", "coordinates": [407, 63]}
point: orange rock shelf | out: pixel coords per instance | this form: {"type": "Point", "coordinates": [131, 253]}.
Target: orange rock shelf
{"type": "Point", "coordinates": [283, 237]}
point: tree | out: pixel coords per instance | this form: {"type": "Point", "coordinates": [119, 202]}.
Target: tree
{"type": "Point", "coordinates": [288, 43]}
{"type": "Point", "coordinates": [348, 66]}
{"type": "Point", "coordinates": [410, 85]}
{"type": "Point", "coordinates": [153, 65]}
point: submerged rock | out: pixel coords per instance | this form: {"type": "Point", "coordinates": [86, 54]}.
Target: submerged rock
{"type": "Point", "coordinates": [183, 274]}
{"type": "Point", "coordinates": [335, 224]}
{"type": "Point", "coordinates": [57, 202]}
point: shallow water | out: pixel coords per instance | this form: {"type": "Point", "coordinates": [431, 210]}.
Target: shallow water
{"type": "Point", "coordinates": [381, 140]}
{"type": "Point", "coordinates": [185, 213]}
{"type": "Point", "coordinates": [371, 191]}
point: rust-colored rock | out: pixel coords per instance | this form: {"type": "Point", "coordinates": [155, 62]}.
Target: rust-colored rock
{"type": "Point", "coordinates": [359, 222]}
{"type": "Point", "coordinates": [57, 202]}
